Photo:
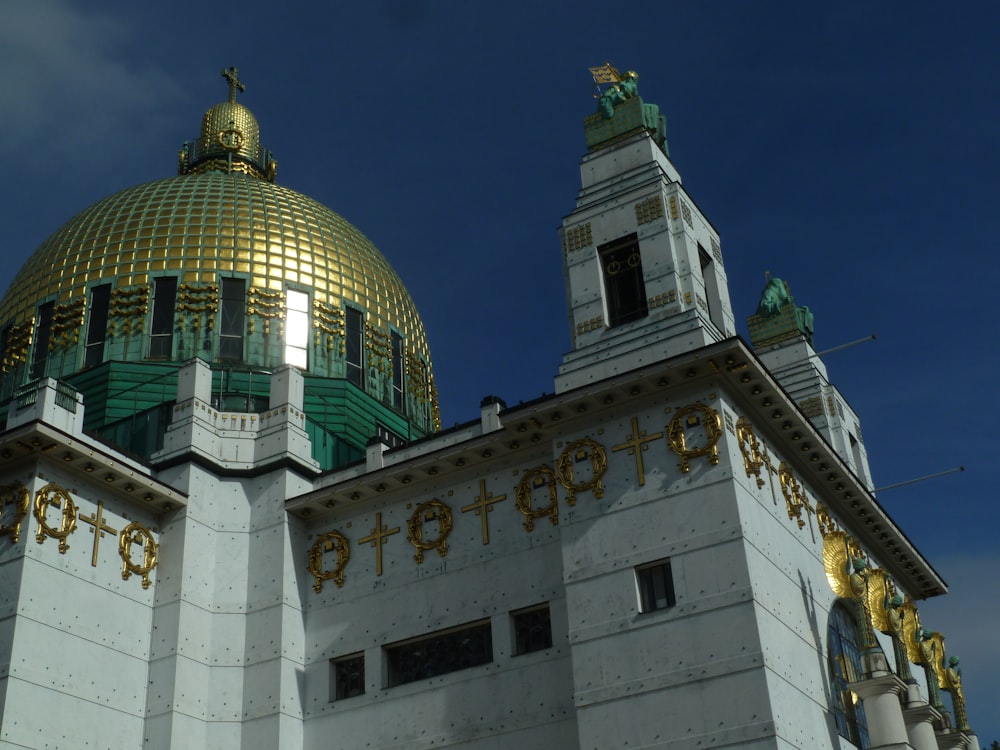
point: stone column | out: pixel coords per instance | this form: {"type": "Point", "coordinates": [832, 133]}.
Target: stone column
{"type": "Point", "coordinates": [880, 697]}
{"type": "Point", "coordinates": [920, 718]}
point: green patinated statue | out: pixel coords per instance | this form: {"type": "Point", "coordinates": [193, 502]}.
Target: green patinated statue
{"type": "Point", "coordinates": [953, 682]}
{"type": "Point", "coordinates": [776, 297]}
{"type": "Point", "coordinates": [620, 109]}
{"type": "Point", "coordinates": [857, 572]}
{"type": "Point", "coordinates": [895, 613]}
{"type": "Point", "coordinates": [618, 93]}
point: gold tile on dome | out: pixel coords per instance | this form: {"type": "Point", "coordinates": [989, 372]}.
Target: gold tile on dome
{"type": "Point", "coordinates": [243, 267]}
{"type": "Point", "coordinates": [275, 284]}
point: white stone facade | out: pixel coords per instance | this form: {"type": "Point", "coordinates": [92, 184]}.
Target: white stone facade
{"type": "Point", "coordinates": [642, 457]}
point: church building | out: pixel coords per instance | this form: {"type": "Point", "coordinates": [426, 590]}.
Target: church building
{"type": "Point", "coordinates": [231, 520]}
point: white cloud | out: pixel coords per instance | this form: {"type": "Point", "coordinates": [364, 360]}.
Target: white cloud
{"type": "Point", "coordinates": [68, 86]}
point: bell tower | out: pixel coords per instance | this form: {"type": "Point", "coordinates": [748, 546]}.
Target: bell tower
{"type": "Point", "coordinates": [643, 266]}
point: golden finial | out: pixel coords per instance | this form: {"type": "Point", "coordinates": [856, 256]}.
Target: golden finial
{"type": "Point", "coordinates": [232, 76]}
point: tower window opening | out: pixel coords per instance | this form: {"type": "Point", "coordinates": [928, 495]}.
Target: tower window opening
{"type": "Point", "coordinates": [859, 460]}
{"type": "Point", "coordinates": [624, 288]}
{"type": "Point", "coordinates": [97, 325]}
{"type": "Point", "coordinates": [161, 328]}
{"type": "Point", "coordinates": [355, 346]}
{"type": "Point", "coordinates": [232, 315]}
{"type": "Point", "coordinates": [297, 328]}
{"type": "Point", "coordinates": [713, 298]}
{"type": "Point", "coordinates": [43, 334]}
{"type": "Point", "coordinates": [396, 342]}
{"type": "Point", "coordinates": [656, 586]}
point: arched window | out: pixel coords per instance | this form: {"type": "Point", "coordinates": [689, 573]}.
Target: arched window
{"type": "Point", "coordinates": [845, 668]}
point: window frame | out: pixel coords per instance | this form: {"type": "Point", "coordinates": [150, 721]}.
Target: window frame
{"type": "Point", "coordinates": [232, 318]}
{"type": "Point", "coordinates": [398, 383]}
{"type": "Point", "coordinates": [41, 339]}
{"type": "Point", "coordinates": [98, 311]}
{"type": "Point", "coordinates": [845, 667]}
{"type": "Point", "coordinates": [415, 649]}
{"type": "Point", "coordinates": [623, 281]}
{"type": "Point", "coordinates": [296, 353]}
{"type": "Point", "coordinates": [354, 346]}
{"type": "Point", "coordinates": [338, 668]}
{"type": "Point", "coordinates": [161, 324]}
{"type": "Point", "coordinates": [649, 598]}
{"type": "Point", "coordinates": [521, 625]}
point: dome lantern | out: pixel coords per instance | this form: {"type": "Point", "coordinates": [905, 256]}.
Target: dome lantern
{"type": "Point", "coordinates": [229, 140]}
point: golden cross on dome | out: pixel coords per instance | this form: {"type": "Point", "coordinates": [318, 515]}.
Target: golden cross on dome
{"type": "Point", "coordinates": [233, 77]}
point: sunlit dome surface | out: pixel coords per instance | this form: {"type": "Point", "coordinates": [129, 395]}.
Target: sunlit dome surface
{"type": "Point", "coordinates": [205, 226]}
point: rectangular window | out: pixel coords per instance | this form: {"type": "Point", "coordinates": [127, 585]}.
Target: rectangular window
{"type": "Point", "coordinates": [624, 288]}
{"type": "Point", "coordinates": [355, 346]}
{"type": "Point", "coordinates": [532, 630]}
{"type": "Point", "coordinates": [656, 586]}
{"type": "Point", "coordinates": [97, 325]}
{"type": "Point", "coordinates": [348, 676]}
{"type": "Point", "coordinates": [297, 328]}
{"type": "Point", "coordinates": [859, 462]}
{"type": "Point", "coordinates": [43, 335]}
{"type": "Point", "coordinates": [397, 370]}
{"type": "Point", "coordinates": [440, 653]}
{"type": "Point", "coordinates": [232, 315]}
{"type": "Point", "coordinates": [713, 298]}
{"type": "Point", "coordinates": [161, 328]}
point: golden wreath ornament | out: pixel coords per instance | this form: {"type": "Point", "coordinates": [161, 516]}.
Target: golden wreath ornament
{"type": "Point", "coordinates": [429, 512]}
{"type": "Point", "coordinates": [581, 450]}
{"type": "Point", "coordinates": [688, 417]}
{"type": "Point", "coordinates": [332, 541]}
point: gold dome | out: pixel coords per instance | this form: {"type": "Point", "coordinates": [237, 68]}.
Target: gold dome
{"type": "Point", "coordinates": [221, 264]}
{"type": "Point", "coordinates": [204, 226]}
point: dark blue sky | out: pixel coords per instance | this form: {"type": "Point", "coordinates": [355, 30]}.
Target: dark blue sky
{"type": "Point", "coordinates": [849, 150]}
